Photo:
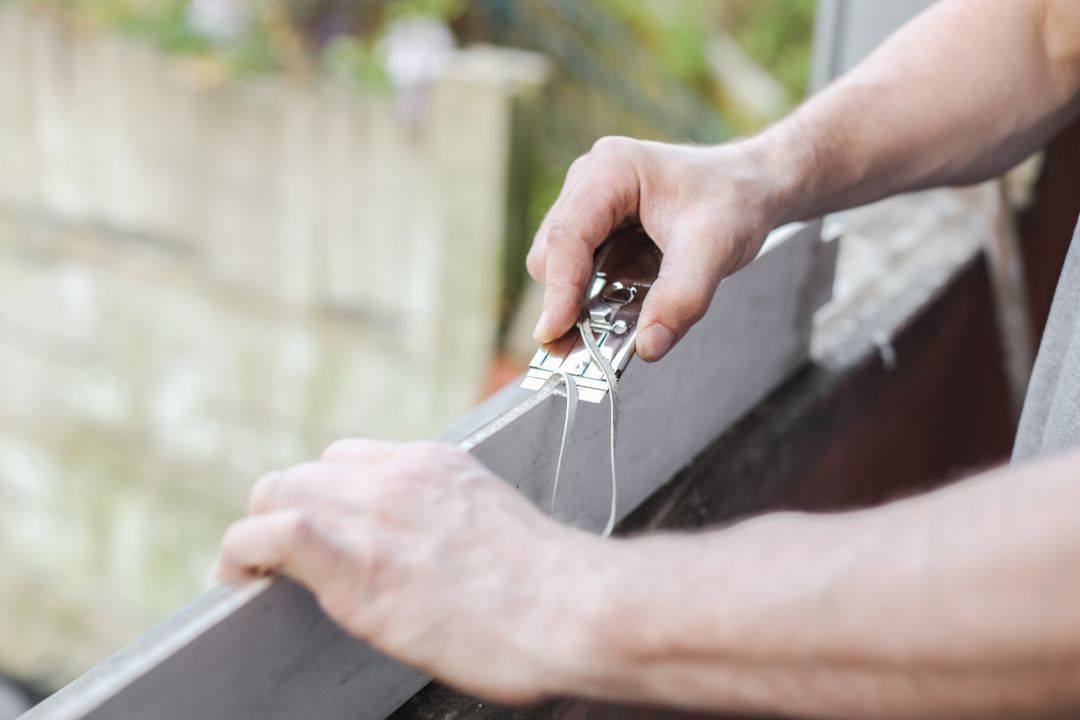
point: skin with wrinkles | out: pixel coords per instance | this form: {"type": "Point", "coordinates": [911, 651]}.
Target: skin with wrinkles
{"type": "Point", "coordinates": [959, 603]}
{"type": "Point", "coordinates": [411, 564]}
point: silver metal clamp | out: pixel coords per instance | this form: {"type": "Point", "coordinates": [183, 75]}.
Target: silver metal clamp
{"type": "Point", "coordinates": [624, 268]}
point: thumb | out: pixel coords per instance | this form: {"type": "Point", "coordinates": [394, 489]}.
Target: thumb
{"type": "Point", "coordinates": [692, 267]}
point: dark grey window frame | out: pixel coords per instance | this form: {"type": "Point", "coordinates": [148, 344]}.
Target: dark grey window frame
{"type": "Point", "coordinates": [268, 651]}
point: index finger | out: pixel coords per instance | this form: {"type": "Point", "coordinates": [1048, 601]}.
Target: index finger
{"type": "Point", "coordinates": [536, 260]}
{"type": "Point", "coordinates": [606, 195]}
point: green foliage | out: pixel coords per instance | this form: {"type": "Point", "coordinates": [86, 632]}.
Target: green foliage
{"type": "Point", "coordinates": [671, 35]}
{"type": "Point", "coordinates": [660, 47]}
{"type": "Point", "coordinates": [164, 23]}
{"type": "Point", "coordinates": [682, 48]}
{"type": "Point", "coordinates": [777, 34]}
{"type": "Point", "coordinates": [445, 9]}
{"type": "Point", "coordinates": [355, 61]}
{"type": "Point", "coordinates": [673, 32]}
{"type": "Point", "coordinates": [632, 67]}
{"type": "Point", "coordinates": [271, 44]}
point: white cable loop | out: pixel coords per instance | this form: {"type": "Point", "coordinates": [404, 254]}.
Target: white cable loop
{"type": "Point", "coordinates": [568, 423]}
{"type": "Point", "coordinates": [585, 329]}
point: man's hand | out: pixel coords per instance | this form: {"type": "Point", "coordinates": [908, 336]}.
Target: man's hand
{"type": "Point", "coordinates": [420, 550]}
{"type": "Point", "coordinates": [708, 208]}
{"type": "Point", "coordinates": [926, 109]}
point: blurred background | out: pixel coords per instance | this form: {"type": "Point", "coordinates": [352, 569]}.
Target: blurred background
{"type": "Point", "coordinates": [232, 231]}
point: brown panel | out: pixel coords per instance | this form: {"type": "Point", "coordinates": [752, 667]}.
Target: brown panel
{"type": "Point", "coordinates": [1046, 228]}
{"type": "Point", "coordinates": [942, 411]}
{"type": "Point", "coordinates": [842, 433]}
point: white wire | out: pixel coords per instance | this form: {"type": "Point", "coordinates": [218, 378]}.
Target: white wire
{"type": "Point", "coordinates": [559, 377]}
{"type": "Point", "coordinates": [567, 379]}
{"type": "Point", "coordinates": [585, 328]}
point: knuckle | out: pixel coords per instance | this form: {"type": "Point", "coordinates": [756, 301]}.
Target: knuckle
{"type": "Point", "coordinates": [613, 146]}
{"type": "Point", "coordinates": [577, 166]}
{"type": "Point", "coordinates": [454, 455]}
{"type": "Point", "coordinates": [565, 233]}
{"type": "Point", "coordinates": [559, 233]}
{"type": "Point", "coordinates": [295, 478]}
{"type": "Point", "coordinates": [338, 448]}
{"type": "Point", "coordinates": [423, 448]}
{"type": "Point", "coordinates": [230, 540]}
{"type": "Point", "coordinates": [420, 464]}
{"type": "Point", "coordinates": [299, 530]}
{"type": "Point", "coordinates": [427, 453]}
{"type": "Point", "coordinates": [264, 490]}
{"type": "Point", "coordinates": [353, 451]}
{"type": "Point", "coordinates": [442, 448]}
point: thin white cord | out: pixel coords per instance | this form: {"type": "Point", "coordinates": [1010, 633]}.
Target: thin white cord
{"type": "Point", "coordinates": [585, 328]}
{"type": "Point", "coordinates": [556, 378]}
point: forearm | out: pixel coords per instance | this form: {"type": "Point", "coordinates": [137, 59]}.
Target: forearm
{"type": "Point", "coordinates": [958, 603]}
{"type": "Point", "coordinates": [958, 95]}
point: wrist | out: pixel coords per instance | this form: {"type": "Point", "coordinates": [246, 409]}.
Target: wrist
{"type": "Point", "coordinates": [612, 620]}
{"type": "Point", "coordinates": [785, 159]}
{"type": "Point", "coordinates": [583, 639]}
{"type": "Point", "coordinates": [644, 613]}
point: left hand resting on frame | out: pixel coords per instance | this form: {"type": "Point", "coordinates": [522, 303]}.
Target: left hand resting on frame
{"type": "Point", "coordinates": [423, 552]}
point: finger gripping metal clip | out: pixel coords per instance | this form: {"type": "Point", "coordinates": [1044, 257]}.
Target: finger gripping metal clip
{"type": "Point", "coordinates": [586, 362]}
{"type": "Point", "coordinates": [624, 268]}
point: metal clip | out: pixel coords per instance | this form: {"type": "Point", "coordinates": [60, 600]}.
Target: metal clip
{"type": "Point", "coordinates": [624, 268]}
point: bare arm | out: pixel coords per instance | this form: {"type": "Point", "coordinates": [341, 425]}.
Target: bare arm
{"type": "Point", "coordinates": [958, 95]}
{"type": "Point", "coordinates": [960, 603]}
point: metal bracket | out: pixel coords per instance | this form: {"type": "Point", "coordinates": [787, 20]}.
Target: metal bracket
{"type": "Point", "coordinates": [624, 268]}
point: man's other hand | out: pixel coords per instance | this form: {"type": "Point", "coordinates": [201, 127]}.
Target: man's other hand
{"type": "Point", "coordinates": [423, 552]}
{"type": "Point", "coordinates": [708, 208]}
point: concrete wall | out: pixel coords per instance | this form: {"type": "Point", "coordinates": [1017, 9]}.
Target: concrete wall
{"type": "Point", "coordinates": [199, 282]}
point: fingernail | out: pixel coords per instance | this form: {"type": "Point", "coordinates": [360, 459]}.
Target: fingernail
{"type": "Point", "coordinates": [542, 331]}
{"type": "Point", "coordinates": [653, 341]}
